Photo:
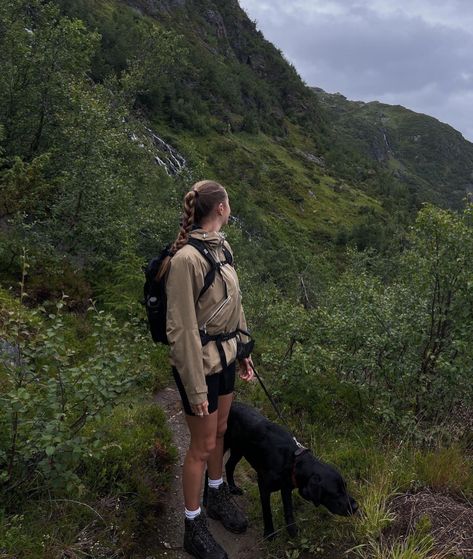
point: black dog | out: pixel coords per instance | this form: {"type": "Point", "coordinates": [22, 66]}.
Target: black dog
{"type": "Point", "coordinates": [281, 466]}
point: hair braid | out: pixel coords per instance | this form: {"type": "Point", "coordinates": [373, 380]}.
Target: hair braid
{"type": "Point", "coordinates": [187, 221]}
{"type": "Point", "coordinates": [198, 203]}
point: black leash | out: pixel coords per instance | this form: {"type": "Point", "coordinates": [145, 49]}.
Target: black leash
{"type": "Point", "coordinates": [278, 411]}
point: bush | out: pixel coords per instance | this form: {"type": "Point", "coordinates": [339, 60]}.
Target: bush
{"type": "Point", "coordinates": [53, 385]}
{"type": "Point", "coordinates": [404, 343]}
{"type": "Point", "coordinates": [136, 454]}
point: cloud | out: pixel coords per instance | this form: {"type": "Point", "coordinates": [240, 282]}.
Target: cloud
{"type": "Point", "coordinates": [416, 53]}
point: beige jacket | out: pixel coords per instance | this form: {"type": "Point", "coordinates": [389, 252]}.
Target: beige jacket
{"type": "Point", "coordinates": [186, 315]}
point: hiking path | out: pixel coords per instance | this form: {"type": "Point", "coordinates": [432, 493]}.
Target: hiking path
{"type": "Point", "coordinates": [169, 535]}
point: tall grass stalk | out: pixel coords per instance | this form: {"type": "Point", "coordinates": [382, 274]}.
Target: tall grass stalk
{"type": "Point", "coordinates": [414, 547]}
{"type": "Point", "coordinates": [374, 512]}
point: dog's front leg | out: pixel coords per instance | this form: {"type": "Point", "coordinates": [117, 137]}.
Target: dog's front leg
{"type": "Point", "coordinates": [232, 461]}
{"type": "Point", "coordinates": [286, 494]}
{"type": "Point", "coordinates": [265, 496]}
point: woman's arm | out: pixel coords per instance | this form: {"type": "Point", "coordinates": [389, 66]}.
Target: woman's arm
{"type": "Point", "coordinates": [183, 286]}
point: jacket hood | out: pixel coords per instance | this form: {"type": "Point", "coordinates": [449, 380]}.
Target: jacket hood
{"type": "Point", "coordinates": [213, 238]}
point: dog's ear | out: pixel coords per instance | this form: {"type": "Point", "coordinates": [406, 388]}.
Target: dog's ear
{"type": "Point", "coordinates": [312, 490]}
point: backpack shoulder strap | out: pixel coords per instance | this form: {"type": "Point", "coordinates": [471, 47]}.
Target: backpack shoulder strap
{"type": "Point", "coordinates": [228, 255]}
{"type": "Point", "coordinates": [214, 265]}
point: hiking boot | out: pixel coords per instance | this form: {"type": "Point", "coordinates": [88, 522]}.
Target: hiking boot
{"type": "Point", "coordinates": [221, 506]}
{"type": "Point", "coordinates": [199, 542]}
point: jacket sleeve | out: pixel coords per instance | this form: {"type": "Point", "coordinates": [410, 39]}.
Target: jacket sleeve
{"type": "Point", "coordinates": [242, 321]}
{"type": "Point", "coordinates": [183, 286]}
{"type": "Point", "coordinates": [242, 325]}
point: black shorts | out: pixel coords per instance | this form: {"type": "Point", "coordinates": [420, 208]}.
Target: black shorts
{"type": "Point", "coordinates": [218, 384]}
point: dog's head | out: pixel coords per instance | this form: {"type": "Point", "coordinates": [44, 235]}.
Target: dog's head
{"type": "Point", "coordinates": [323, 485]}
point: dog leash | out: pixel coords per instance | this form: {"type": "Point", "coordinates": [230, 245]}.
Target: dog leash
{"type": "Point", "coordinates": [278, 411]}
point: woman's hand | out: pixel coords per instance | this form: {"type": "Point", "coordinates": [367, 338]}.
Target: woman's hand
{"type": "Point", "coordinates": [246, 371]}
{"type": "Point", "coordinates": [200, 409]}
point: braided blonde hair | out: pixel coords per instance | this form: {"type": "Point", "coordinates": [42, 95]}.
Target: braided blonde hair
{"type": "Point", "coordinates": [198, 203]}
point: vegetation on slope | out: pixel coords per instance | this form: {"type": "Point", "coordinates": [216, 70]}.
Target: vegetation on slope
{"type": "Point", "coordinates": [424, 159]}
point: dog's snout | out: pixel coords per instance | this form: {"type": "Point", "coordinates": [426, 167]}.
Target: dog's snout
{"type": "Point", "coordinates": [353, 507]}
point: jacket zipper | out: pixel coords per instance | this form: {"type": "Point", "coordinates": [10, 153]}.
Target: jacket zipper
{"type": "Point", "coordinates": [216, 312]}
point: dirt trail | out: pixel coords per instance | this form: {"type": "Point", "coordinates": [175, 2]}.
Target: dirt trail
{"type": "Point", "coordinates": [171, 531]}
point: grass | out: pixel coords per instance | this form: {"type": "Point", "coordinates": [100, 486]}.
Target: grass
{"type": "Point", "coordinates": [419, 544]}
{"type": "Point", "coordinates": [280, 183]}
{"type": "Point", "coordinates": [444, 469]}
{"type": "Point", "coordinates": [374, 514]}
{"type": "Point", "coordinates": [121, 495]}
{"type": "Point", "coordinates": [412, 548]}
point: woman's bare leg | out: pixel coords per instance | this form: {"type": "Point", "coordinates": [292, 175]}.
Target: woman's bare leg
{"type": "Point", "coordinates": [215, 459]}
{"type": "Point", "coordinates": [220, 505]}
{"type": "Point", "coordinates": [203, 432]}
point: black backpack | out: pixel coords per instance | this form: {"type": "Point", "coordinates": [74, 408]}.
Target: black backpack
{"type": "Point", "coordinates": [155, 299]}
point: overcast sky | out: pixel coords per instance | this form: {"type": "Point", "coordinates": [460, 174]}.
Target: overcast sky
{"type": "Point", "coordinates": [415, 53]}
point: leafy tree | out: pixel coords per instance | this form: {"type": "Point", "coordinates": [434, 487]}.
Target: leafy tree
{"type": "Point", "coordinates": [41, 53]}
{"type": "Point", "coordinates": [71, 174]}
{"type": "Point", "coordinates": [406, 344]}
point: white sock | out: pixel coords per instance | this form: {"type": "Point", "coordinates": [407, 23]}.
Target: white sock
{"type": "Point", "coordinates": [215, 483]}
{"type": "Point", "coordinates": [191, 514]}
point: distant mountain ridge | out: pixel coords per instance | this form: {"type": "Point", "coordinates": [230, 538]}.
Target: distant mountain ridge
{"type": "Point", "coordinates": [418, 149]}
{"type": "Point", "coordinates": [432, 159]}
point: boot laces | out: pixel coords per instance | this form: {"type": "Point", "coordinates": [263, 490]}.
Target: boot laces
{"type": "Point", "coordinates": [227, 497]}
{"type": "Point", "coordinates": [205, 536]}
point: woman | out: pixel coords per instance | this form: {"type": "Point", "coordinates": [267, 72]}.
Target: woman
{"type": "Point", "coordinates": [204, 367]}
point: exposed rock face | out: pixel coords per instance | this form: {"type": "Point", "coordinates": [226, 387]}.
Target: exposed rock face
{"type": "Point", "coordinates": [214, 18]}
{"type": "Point", "coordinates": [256, 61]}
{"type": "Point", "coordinates": [320, 161]}
{"type": "Point", "coordinates": [339, 187]}
{"type": "Point", "coordinates": [380, 148]}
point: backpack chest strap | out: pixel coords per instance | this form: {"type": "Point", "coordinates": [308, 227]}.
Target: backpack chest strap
{"type": "Point", "coordinates": [215, 265]}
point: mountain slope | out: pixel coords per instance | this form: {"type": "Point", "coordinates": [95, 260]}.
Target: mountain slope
{"type": "Point", "coordinates": [432, 159]}
{"type": "Point", "coordinates": [305, 170]}
{"type": "Point", "coordinates": [234, 81]}
{"type": "Point", "coordinates": [239, 112]}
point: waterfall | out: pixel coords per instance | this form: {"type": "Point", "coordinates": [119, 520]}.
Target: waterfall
{"type": "Point", "coordinates": [164, 155]}
{"type": "Point", "coordinates": [167, 156]}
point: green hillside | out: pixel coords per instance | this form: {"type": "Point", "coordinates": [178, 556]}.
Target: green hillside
{"type": "Point", "coordinates": [431, 159]}
{"type": "Point", "coordinates": [316, 165]}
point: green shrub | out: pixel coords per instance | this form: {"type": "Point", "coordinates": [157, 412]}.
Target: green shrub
{"type": "Point", "coordinates": [403, 343]}
{"type": "Point", "coordinates": [136, 453]}
{"type": "Point", "coordinates": [53, 385]}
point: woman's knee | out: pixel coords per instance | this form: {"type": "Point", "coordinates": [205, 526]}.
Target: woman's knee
{"type": "Point", "coordinates": [221, 430]}
{"type": "Point", "coordinates": [202, 451]}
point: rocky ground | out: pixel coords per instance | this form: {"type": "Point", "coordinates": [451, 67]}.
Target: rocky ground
{"type": "Point", "coordinates": [450, 521]}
